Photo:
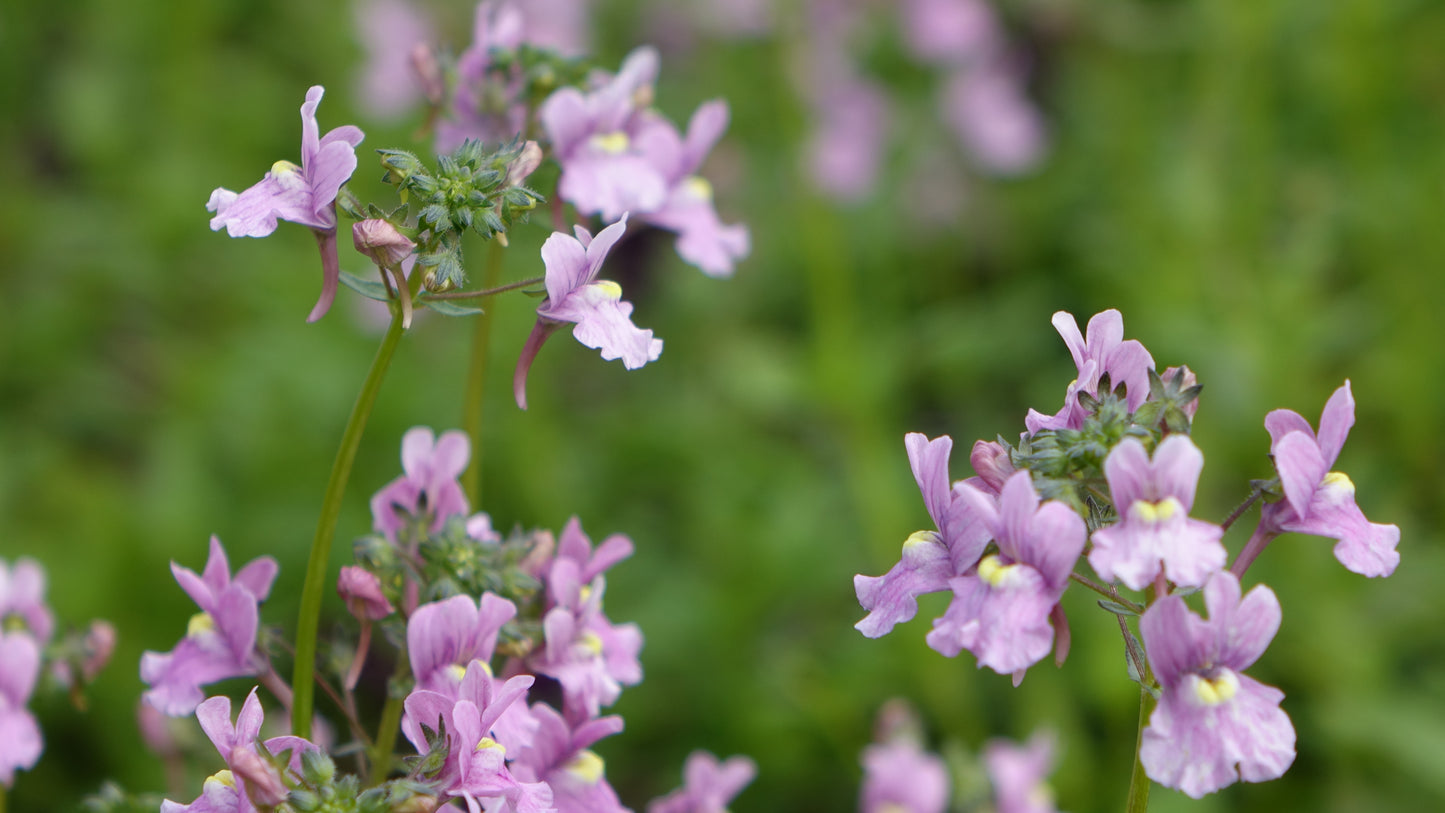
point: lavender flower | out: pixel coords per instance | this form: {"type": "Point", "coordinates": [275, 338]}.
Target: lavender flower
{"type": "Point", "coordinates": [846, 146]}
{"type": "Point", "coordinates": [428, 485]}
{"type": "Point", "coordinates": [389, 30]}
{"type": "Point", "coordinates": [486, 107]}
{"type": "Point", "coordinates": [1213, 724]}
{"type": "Point", "coordinates": [930, 558]}
{"type": "Point", "coordinates": [561, 756]}
{"type": "Point", "coordinates": [305, 195]}
{"type": "Point", "coordinates": [593, 135]}
{"type": "Point", "coordinates": [589, 655]}
{"type": "Point", "coordinates": [688, 210]}
{"type": "Point", "coordinates": [1153, 500]}
{"type": "Point", "coordinates": [950, 32]}
{"type": "Point", "coordinates": [995, 121]}
{"type": "Point", "coordinates": [361, 591]}
{"type": "Point", "coordinates": [574, 294]}
{"type": "Point", "coordinates": [1322, 502]}
{"type": "Point", "coordinates": [1018, 773]}
{"type": "Point", "coordinates": [475, 770]}
{"type": "Point", "coordinates": [22, 600]}
{"type": "Point", "coordinates": [20, 742]}
{"type": "Point", "coordinates": [1104, 351]}
{"type": "Point", "coordinates": [220, 640]}
{"type": "Point", "coordinates": [900, 777]}
{"type": "Point", "coordinates": [1001, 608]}
{"type": "Point", "coordinates": [708, 785]}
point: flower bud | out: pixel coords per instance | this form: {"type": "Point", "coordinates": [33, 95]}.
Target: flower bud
{"type": "Point", "coordinates": [99, 646]}
{"type": "Point", "coordinates": [382, 242]}
{"type": "Point", "coordinates": [991, 461]}
{"type": "Point", "coordinates": [361, 591]}
{"type": "Point", "coordinates": [1189, 380]}
{"type": "Point", "coordinates": [428, 72]}
{"type": "Point", "coordinates": [526, 162]}
{"type": "Point", "coordinates": [264, 785]}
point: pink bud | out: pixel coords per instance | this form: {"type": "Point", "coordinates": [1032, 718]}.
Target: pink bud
{"type": "Point", "coordinates": [362, 592]}
{"type": "Point", "coordinates": [524, 164]}
{"type": "Point", "coordinates": [1189, 380]}
{"type": "Point", "coordinates": [99, 646]}
{"type": "Point", "coordinates": [263, 782]}
{"type": "Point", "coordinates": [991, 461]}
{"type": "Point", "coordinates": [381, 241]}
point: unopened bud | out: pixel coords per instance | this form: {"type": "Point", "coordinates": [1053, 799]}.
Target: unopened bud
{"type": "Point", "coordinates": [524, 164]}
{"type": "Point", "coordinates": [99, 646]}
{"type": "Point", "coordinates": [1188, 380]}
{"type": "Point", "coordinates": [991, 462]}
{"type": "Point", "coordinates": [263, 782]}
{"type": "Point", "coordinates": [361, 591]}
{"type": "Point", "coordinates": [382, 242]}
{"type": "Point", "coordinates": [428, 72]}
{"type": "Point", "coordinates": [417, 804]}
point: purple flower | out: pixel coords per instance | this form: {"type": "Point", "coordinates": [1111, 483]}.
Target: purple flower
{"type": "Point", "coordinates": [22, 599]}
{"type": "Point", "coordinates": [304, 195]}
{"type": "Point", "coordinates": [20, 742]}
{"type": "Point", "coordinates": [930, 558]}
{"type": "Point", "coordinates": [576, 547]}
{"type": "Point", "coordinates": [900, 777]}
{"type": "Point", "coordinates": [476, 769]}
{"type": "Point", "coordinates": [1321, 502]}
{"type": "Point", "coordinates": [562, 757]}
{"type": "Point", "coordinates": [846, 146]}
{"type": "Point", "coordinates": [995, 121]}
{"type": "Point", "coordinates": [702, 239]}
{"type": "Point", "coordinates": [1018, 772]}
{"type": "Point", "coordinates": [950, 32]}
{"type": "Point", "coordinates": [1000, 609]}
{"type": "Point", "coordinates": [428, 486]}
{"type": "Point", "coordinates": [220, 640]}
{"type": "Point", "coordinates": [594, 137]}
{"type": "Point", "coordinates": [1213, 724]}
{"type": "Point", "coordinates": [1153, 500]}
{"type": "Point", "coordinates": [361, 591]}
{"type": "Point", "coordinates": [486, 106]}
{"type": "Point", "coordinates": [708, 785]}
{"type": "Point", "coordinates": [389, 30]}
{"type": "Point", "coordinates": [574, 294]}
{"type": "Point", "coordinates": [589, 655]}
{"type": "Point", "coordinates": [1104, 351]}
{"type": "Point", "coordinates": [236, 743]}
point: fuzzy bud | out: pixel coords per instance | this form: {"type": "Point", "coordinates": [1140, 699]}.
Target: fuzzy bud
{"type": "Point", "coordinates": [428, 72]}
{"type": "Point", "coordinates": [361, 591]}
{"type": "Point", "coordinates": [524, 164]}
{"type": "Point", "coordinates": [991, 461]}
{"type": "Point", "coordinates": [264, 785]}
{"type": "Point", "coordinates": [382, 242]}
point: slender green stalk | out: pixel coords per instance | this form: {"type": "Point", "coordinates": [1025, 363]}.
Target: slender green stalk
{"type": "Point", "coordinates": [386, 730]}
{"type": "Point", "coordinates": [1139, 781]}
{"type": "Point", "coordinates": [488, 292]}
{"type": "Point", "coordinates": [2, 799]}
{"type": "Point", "coordinates": [477, 376]}
{"type": "Point", "coordinates": [316, 567]}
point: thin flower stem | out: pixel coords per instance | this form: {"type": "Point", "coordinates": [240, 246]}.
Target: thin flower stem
{"type": "Point", "coordinates": [2, 799]}
{"type": "Point", "coordinates": [278, 687]}
{"type": "Point", "coordinates": [1109, 592]}
{"type": "Point", "coordinates": [488, 291]}
{"type": "Point", "coordinates": [477, 374]}
{"type": "Point", "coordinates": [1254, 494]}
{"type": "Point", "coordinates": [1138, 801]}
{"type": "Point", "coordinates": [317, 566]}
{"type": "Point", "coordinates": [386, 730]}
{"type": "Point", "coordinates": [1256, 544]}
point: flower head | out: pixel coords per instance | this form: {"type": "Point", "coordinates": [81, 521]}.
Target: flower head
{"type": "Point", "coordinates": [361, 591]}
{"type": "Point", "coordinates": [428, 485]}
{"type": "Point", "coordinates": [1018, 774]}
{"type": "Point", "coordinates": [220, 640]}
{"type": "Point", "coordinates": [1103, 351]}
{"type": "Point", "coordinates": [1319, 501]}
{"type": "Point", "coordinates": [1154, 531]}
{"type": "Point", "coordinates": [900, 777]}
{"type": "Point", "coordinates": [22, 600]}
{"type": "Point", "coordinates": [1214, 724]}
{"type": "Point", "coordinates": [575, 295]}
{"type": "Point", "coordinates": [304, 194]}
{"type": "Point", "coordinates": [930, 558]}
{"type": "Point", "coordinates": [1001, 608]}
{"type": "Point", "coordinates": [584, 651]}
{"type": "Point", "coordinates": [708, 785]}
{"type": "Point", "coordinates": [20, 742]}
{"type": "Point", "coordinates": [561, 756]}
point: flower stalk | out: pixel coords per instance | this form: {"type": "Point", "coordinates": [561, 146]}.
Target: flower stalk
{"type": "Point", "coordinates": [477, 373]}
{"type": "Point", "coordinates": [1138, 801]}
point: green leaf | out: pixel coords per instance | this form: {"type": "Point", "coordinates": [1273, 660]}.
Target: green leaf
{"type": "Point", "coordinates": [367, 288]}
{"type": "Point", "coordinates": [448, 308]}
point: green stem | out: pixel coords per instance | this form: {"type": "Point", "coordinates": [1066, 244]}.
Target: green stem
{"type": "Point", "coordinates": [488, 292]}
{"type": "Point", "coordinates": [477, 376]}
{"type": "Point", "coordinates": [1139, 781]}
{"type": "Point", "coordinates": [386, 730]}
{"type": "Point", "coordinates": [317, 566]}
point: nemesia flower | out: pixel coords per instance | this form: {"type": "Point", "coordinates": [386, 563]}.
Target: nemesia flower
{"type": "Point", "coordinates": [585, 652]}
{"type": "Point", "coordinates": [702, 239]}
{"type": "Point", "coordinates": [574, 294]}
{"type": "Point", "coordinates": [1321, 502]}
{"type": "Point", "coordinates": [1000, 609]}
{"type": "Point", "coordinates": [428, 485]}
{"type": "Point", "coordinates": [444, 637]}
{"type": "Point", "coordinates": [900, 777]}
{"type": "Point", "coordinates": [561, 756]}
{"type": "Point", "coordinates": [1018, 773]}
{"type": "Point", "coordinates": [997, 124]}
{"type": "Point", "coordinates": [486, 107]}
{"type": "Point", "coordinates": [930, 558]}
{"type": "Point", "coordinates": [1155, 531]}
{"type": "Point", "coordinates": [708, 785]}
{"type": "Point", "coordinates": [574, 545]}
{"type": "Point", "coordinates": [22, 600]}
{"type": "Point", "coordinates": [845, 148]}
{"type": "Point", "coordinates": [475, 770]}
{"type": "Point", "coordinates": [20, 742]}
{"type": "Point", "coordinates": [220, 640]}
{"type": "Point", "coordinates": [1213, 724]}
{"type": "Point", "coordinates": [479, 527]}
{"type": "Point", "coordinates": [361, 591]}
{"type": "Point", "coordinates": [1104, 351]}
{"type": "Point", "coordinates": [305, 195]}
{"type": "Point", "coordinates": [949, 32]}
{"type": "Point", "coordinates": [593, 135]}
{"type": "Point", "coordinates": [389, 30]}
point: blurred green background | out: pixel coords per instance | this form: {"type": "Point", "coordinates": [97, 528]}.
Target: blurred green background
{"type": "Point", "coordinates": [1259, 187]}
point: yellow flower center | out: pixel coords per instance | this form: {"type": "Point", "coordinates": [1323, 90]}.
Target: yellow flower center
{"type": "Point", "coordinates": [698, 187]}
{"type": "Point", "coordinates": [14, 622]}
{"type": "Point", "coordinates": [1338, 480]}
{"type": "Point", "coordinates": [590, 642]}
{"type": "Point", "coordinates": [1156, 512]}
{"type": "Point", "coordinates": [223, 778]}
{"type": "Point", "coordinates": [993, 571]}
{"type": "Point", "coordinates": [281, 168]}
{"type": "Point", "coordinates": [584, 593]}
{"type": "Point", "coordinates": [615, 142]}
{"type": "Point", "coordinates": [1221, 689]}
{"type": "Point", "coordinates": [200, 624]}
{"type": "Point", "coordinates": [920, 538]}
{"type": "Point", "coordinates": [586, 766]}
{"type": "Point", "coordinates": [489, 743]}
